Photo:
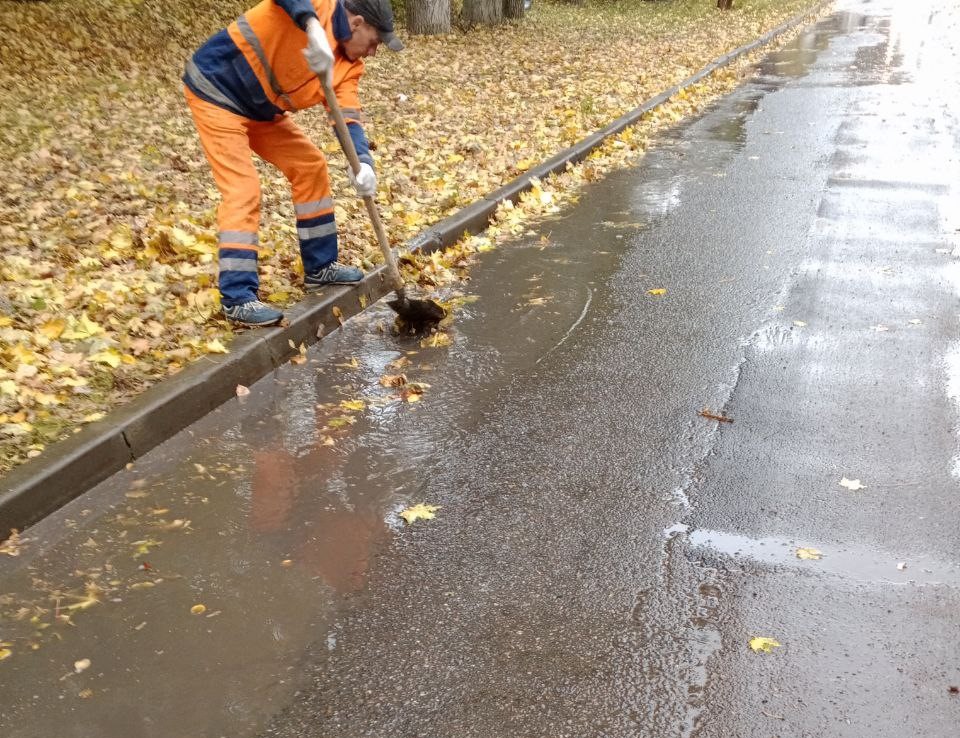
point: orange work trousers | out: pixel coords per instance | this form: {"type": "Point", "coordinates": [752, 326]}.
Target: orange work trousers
{"type": "Point", "coordinates": [229, 140]}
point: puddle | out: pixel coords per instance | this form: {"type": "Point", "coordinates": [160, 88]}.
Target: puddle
{"type": "Point", "coordinates": [850, 562]}
{"type": "Point", "coordinates": [222, 562]}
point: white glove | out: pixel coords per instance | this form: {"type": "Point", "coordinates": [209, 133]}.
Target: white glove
{"type": "Point", "coordinates": [365, 181]}
{"type": "Point", "coordinates": [318, 53]}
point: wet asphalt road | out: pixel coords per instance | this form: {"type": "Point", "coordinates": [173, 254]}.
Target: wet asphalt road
{"type": "Point", "coordinates": [603, 553]}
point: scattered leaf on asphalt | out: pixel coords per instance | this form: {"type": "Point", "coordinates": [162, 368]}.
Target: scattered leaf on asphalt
{"type": "Point", "coordinates": [215, 346]}
{"type": "Point", "coordinates": [85, 694]}
{"type": "Point", "coordinates": [198, 609]}
{"type": "Point", "coordinates": [657, 291]}
{"type": "Point", "coordinates": [11, 546]}
{"type": "Point", "coordinates": [356, 405]}
{"type": "Point", "coordinates": [352, 364]}
{"type": "Point", "coordinates": [338, 314]}
{"type": "Point", "coordinates": [799, 323]}
{"type": "Point", "coordinates": [393, 380]}
{"type": "Point", "coordinates": [853, 484]}
{"type": "Point", "coordinates": [287, 563]}
{"type": "Point", "coordinates": [916, 321]}
{"type": "Point", "coordinates": [766, 645]}
{"type": "Point", "coordinates": [418, 512]}
{"type": "Point", "coordinates": [5, 651]}
{"type": "Point", "coordinates": [880, 328]}
{"type": "Point", "coordinates": [901, 565]}
{"type": "Point", "coordinates": [722, 418]}
{"type": "Point", "coordinates": [413, 391]}
{"type": "Point", "coordinates": [242, 391]}
{"type": "Point", "coordinates": [437, 340]}
{"type": "Point", "coordinates": [341, 421]}
{"type": "Point", "coordinates": [81, 665]}
{"type": "Point", "coordinates": [142, 548]}
{"type": "Point", "coordinates": [301, 356]}
{"type": "Point", "coordinates": [398, 364]}
{"type": "Point", "coordinates": [809, 553]}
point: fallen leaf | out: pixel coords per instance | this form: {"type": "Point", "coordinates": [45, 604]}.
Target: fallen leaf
{"type": "Point", "coordinates": [880, 328]}
{"type": "Point", "coordinates": [656, 292]}
{"type": "Point", "coordinates": [81, 665]}
{"type": "Point", "coordinates": [901, 565]}
{"type": "Point", "coordinates": [338, 314]}
{"type": "Point", "coordinates": [853, 484]}
{"type": "Point", "coordinates": [198, 609]}
{"type": "Point", "coordinates": [799, 323]}
{"type": "Point", "coordinates": [437, 340]}
{"type": "Point", "coordinates": [53, 328]}
{"type": "Point", "coordinates": [85, 694]}
{"type": "Point", "coordinates": [287, 562]}
{"type": "Point", "coordinates": [809, 553]}
{"type": "Point", "coordinates": [215, 347]}
{"type": "Point", "coordinates": [356, 405]}
{"type": "Point", "coordinates": [11, 546]}
{"type": "Point", "coordinates": [418, 512]}
{"type": "Point", "coordinates": [341, 421]}
{"type": "Point", "coordinates": [393, 380]}
{"type": "Point", "coordinates": [712, 416]}
{"type": "Point", "coordinates": [916, 321]}
{"type": "Point", "coordinates": [5, 653]}
{"type": "Point", "coordinates": [763, 644]}
{"type": "Point", "coordinates": [242, 391]}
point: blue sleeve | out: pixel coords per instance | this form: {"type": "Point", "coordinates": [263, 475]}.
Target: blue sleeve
{"type": "Point", "coordinates": [299, 10]}
{"type": "Point", "coordinates": [360, 143]}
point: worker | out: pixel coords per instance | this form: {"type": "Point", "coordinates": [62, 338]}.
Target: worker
{"type": "Point", "coordinates": [241, 86]}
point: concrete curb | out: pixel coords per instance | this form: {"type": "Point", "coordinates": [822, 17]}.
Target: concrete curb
{"type": "Point", "coordinates": [71, 467]}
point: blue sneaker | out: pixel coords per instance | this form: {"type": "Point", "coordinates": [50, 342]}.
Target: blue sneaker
{"type": "Point", "coordinates": [253, 314]}
{"type": "Point", "coordinates": [331, 274]}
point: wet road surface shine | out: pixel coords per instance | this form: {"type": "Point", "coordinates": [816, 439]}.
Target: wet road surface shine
{"type": "Point", "coordinates": [602, 553]}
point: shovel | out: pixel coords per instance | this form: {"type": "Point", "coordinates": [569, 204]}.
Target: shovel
{"type": "Point", "coordinates": [418, 314]}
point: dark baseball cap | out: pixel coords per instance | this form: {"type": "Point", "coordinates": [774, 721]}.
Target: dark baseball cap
{"type": "Point", "coordinates": [378, 14]}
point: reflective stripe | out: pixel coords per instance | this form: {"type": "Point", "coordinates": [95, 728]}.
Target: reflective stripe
{"type": "Point", "coordinates": [325, 229]}
{"type": "Point", "coordinates": [355, 113]}
{"type": "Point", "coordinates": [207, 88]}
{"type": "Point", "coordinates": [238, 237]}
{"type": "Point", "coordinates": [238, 265]}
{"type": "Point", "coordinates": [311, 207]}
{"type": "Point", "coordinates": [251, 38]}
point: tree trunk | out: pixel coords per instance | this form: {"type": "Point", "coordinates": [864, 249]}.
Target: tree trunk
{"type": "Point", "coordinates": [482, 12]}
{"type": "Point", "coordinates": [513, 8]}
{"type": "Point", "coordinates": [724, 4]}
{"type": "Point", "coordinates": [425, 17]}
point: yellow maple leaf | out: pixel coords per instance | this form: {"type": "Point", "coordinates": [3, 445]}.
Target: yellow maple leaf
{"type": "Point", "coordinates": [656, 292]}
{"type": "Point", "coordinates": [763, 644]}
{"type": "Point", "coordinates": [215, 346]}
{"type": "Point", "coordinates": [421, 510]}
{"type": "Point", "coordinates": [353, 404]}
{"type": "Point", "coordinates": [53, 328]}
{"type": "Point", "coordinates": [812, 554]}
{"type": "Point", "coordinates": [110, 357]}
{"type": "Point", "coordinates": [81, 328]}
{"type": "Point", "coordinates": [437, 340]}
